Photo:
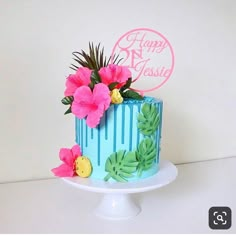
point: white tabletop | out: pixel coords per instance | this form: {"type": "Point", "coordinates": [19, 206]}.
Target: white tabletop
{"type": "Point", "coordinates": [52, 206]}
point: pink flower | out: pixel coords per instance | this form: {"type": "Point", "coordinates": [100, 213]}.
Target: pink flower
{"type": "Point", "coordinates": [114, 73]}
{"type": "Point", "coordinates": [91, 104]}
{"type": "Point", "coordinates": [81, 77]}
{"type": "Point", "coordinates": [68, 156]}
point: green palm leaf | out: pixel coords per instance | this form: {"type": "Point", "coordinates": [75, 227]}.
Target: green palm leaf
{"type": "Point", "coordinates": [94, 59]}
{"type": "Point", "coordinates": [120, 165]}
{"type": "Point", "coordinates": [149, 119]}
{"type": "Point", "coordinates": [67, 101]}
{"type": "Point", "coordinates": [146, 154]}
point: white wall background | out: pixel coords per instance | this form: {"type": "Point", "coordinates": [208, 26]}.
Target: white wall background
{"type": "Point", "coordinates": [36, 41]}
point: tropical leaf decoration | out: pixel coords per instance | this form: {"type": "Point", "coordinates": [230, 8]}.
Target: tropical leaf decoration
{"type": "Point", "coordinates": [149, 119]}
{"type": "Point", "coordinates": [67, 101]}
{"type": "Point", "coordinates": [95, 79]}
{"type": "Point", "coordinates": [120, 165]}
{"type": "Point", "coordinates": [146, 154]}
{"type": "Point", "coordinates": [93, 60]}
{"type": "Point", "coordinates": [127, 93]}
{"type": "Point", "coordinates": [131, 94]}
{"type": "Point", "coordinates": [127, 85]}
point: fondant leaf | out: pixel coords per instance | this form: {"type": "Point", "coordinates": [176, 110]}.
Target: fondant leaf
{"type": "Point", "coordinates": [146, 154]}
{"type": "Point", "coordinates": [120, 165]}
{"type": "Point", "coordinates": [149, 119]}
{"type": "Point", "coordinates": [131, 164]}
{"type": "Point", "coordinates": [141, 117]}
{"type": "Point", "coordinates": [127, 175]}
{"type": "Point", "coordinates": [146, 108]}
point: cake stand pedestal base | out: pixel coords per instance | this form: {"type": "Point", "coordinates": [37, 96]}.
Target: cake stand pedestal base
{"type": "Point", "coordinates": [117, 203]}
{"type": "Point", "coordinates": [117, 207]}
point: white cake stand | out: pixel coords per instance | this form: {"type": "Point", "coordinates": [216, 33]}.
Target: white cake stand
{"type": "Point", "coordinates": [117, 203]}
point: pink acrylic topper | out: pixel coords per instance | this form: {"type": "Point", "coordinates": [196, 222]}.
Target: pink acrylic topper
{"type": "Point", "coordinates": [149, 56]}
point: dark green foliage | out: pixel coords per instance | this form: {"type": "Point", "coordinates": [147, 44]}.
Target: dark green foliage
{"type": "Point", "coordinates": [93, 60]}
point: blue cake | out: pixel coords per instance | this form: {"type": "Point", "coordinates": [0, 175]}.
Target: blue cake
{"type": "Point", "coordinates": [118, 130]}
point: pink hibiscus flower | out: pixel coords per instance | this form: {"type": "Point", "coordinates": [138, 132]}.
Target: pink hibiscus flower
{"type": "Point", "coordinates": [68, 156]}
{"type": "Point", "coordinates": [91, 103]}
{"type": "Point", "coordinates": [114, 73]}
{"type": "Point", "coordinates": [74, 81]}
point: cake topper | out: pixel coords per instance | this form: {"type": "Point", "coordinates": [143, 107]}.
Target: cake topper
{"type": "Point", "coordinates": [149, 56]}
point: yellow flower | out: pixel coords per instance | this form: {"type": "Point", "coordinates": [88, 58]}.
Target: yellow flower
{"type": "Point", "coordinates": [83, 167]}
{"type": "Point", "coordinates": [116, 98]}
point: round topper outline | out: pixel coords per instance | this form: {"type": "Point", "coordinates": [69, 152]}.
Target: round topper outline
{"type": "Point", "coordinates": [171, 51]}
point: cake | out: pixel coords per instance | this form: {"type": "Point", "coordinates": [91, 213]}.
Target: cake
{"type": "Point", "coordinates": [117, 129]}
